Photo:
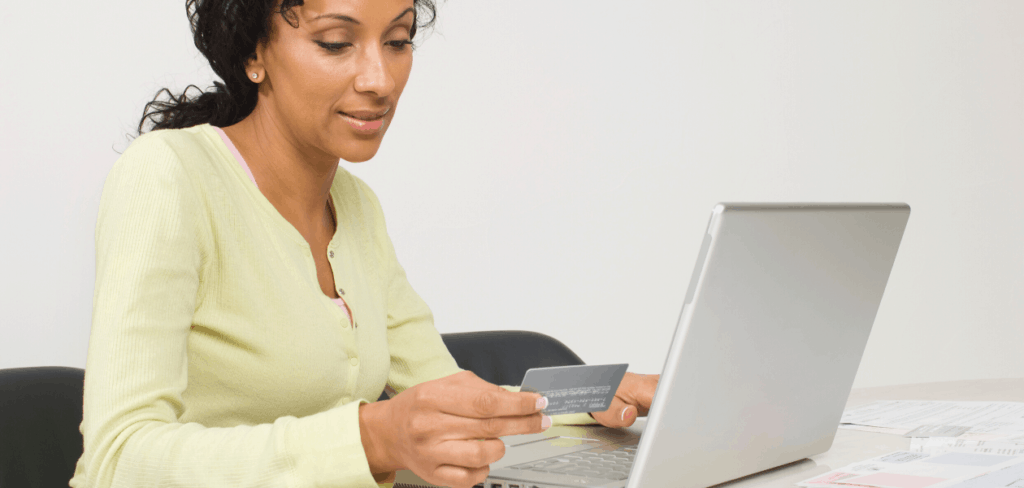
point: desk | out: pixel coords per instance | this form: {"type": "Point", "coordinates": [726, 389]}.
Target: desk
{"type": "Point", "coordinates": [849, 446]}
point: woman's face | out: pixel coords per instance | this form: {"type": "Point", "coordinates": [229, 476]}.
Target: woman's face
{"type": "Point", "coordinates": [332, 84]}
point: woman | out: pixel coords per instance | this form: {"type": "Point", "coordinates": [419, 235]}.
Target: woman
{"type": "Point", "coordinates": [249, 306]}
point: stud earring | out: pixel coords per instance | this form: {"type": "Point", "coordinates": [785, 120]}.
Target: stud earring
{"type": "Point", "coordinates": [254, 76]}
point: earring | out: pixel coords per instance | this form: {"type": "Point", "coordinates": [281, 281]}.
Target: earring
{"type": "Point", "coordinates": [254, 76]}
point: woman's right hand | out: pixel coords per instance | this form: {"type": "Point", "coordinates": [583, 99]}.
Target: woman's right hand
{"type": "Point", "coordinates": [447, 430]}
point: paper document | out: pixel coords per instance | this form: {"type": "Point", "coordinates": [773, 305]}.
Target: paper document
{"type": "Point", "coordinates": [904, 469]}
{"type": "Point", "coordinates": [937, 445]}
{"type": "Point", "coordinates": [982, 420]}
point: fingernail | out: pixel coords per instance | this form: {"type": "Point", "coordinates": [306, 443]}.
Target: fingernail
{"type": "Point", "coordinates": [625, 414]}
{"type": "Point", "coordinates": [545, 422]}
{"type": "Point", "coordinates": [542, 403]}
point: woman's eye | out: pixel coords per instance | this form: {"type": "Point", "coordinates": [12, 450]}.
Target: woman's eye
{"type": "Point", "coordinates": [400, 45]}
{"type": "Point", "coordinates": [334, 46]}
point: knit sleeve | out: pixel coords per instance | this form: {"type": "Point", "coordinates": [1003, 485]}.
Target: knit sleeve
{"type": "Point", "coordinates": [152, 243]}
{"type": "Point", "coordinates": [417, 352]}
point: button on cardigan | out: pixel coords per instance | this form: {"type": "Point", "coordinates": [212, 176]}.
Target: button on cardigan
{"type": "Point", "coordinates": [214, 357]}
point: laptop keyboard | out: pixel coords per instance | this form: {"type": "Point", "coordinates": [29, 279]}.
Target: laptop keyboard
{"type": "Point", "coordinates": [597, 463]}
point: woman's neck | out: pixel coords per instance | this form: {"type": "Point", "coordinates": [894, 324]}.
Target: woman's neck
{"type": "Point", "coordinates": [295, 178]}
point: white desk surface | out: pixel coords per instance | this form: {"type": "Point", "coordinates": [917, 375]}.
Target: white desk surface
{"type": "Point", "coordinates": [849, 446]}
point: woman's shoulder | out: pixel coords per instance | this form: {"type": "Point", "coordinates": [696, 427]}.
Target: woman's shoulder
{"type": "Point", "coordinates": [180, 161]}
{"type": "Point", "coordinates": [187, 153]}
{"type": "Point", "coordinates": [171, 146]}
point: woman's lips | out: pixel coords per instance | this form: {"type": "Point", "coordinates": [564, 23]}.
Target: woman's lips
{"type": "Point", "coordinates": [364, 126]}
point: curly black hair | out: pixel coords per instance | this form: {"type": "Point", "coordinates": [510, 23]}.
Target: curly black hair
{"type": "Point", "coordinates": [227, 32]}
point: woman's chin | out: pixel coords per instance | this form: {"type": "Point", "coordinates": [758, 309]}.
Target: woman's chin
{"type": "Point", "coordinates": [357, 153]}
{"type": "Point", "coordinates": [355, 147]}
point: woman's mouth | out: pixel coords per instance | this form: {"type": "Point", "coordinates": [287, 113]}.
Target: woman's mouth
{"type": "Point", "coordinates": [365, 122]}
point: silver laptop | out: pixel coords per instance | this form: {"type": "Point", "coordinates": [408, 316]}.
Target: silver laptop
{"type": "Point", "coordinates": [773, 326]}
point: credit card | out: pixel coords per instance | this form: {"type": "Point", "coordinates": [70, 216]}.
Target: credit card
{"type": "Point", "coordinates": [575, 389]}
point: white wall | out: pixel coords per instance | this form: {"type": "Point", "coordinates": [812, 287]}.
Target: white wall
{"type": "Point", "coordinates": [553, 164]}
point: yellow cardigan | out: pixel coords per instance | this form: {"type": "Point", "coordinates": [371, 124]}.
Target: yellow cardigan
{"type": "Point", "coordinates": [215, 359]}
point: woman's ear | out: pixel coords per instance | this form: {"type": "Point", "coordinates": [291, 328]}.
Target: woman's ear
{"type": "Point", "coordinates": [254, 67]}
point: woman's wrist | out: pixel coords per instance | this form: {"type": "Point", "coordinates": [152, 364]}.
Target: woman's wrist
{"type": "Point", "coordinates": [375, 442]}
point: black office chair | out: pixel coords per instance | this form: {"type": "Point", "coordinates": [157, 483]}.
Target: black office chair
{"type": "Point", "coordinates": [40, 411]}
{"type": "Point", "coordinates": [503, 356]}
{"type": "Point", "coordinates": [41, 407]}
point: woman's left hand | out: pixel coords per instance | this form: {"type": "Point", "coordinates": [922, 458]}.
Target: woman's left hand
{"type": "Point", "coordinates": [632, 399]}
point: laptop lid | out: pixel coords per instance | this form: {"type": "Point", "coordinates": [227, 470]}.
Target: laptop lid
{"type": "Point", "coordinates": [773, 327]}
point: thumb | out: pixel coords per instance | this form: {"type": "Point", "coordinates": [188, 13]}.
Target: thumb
{"type": "Point", "coordinates": [628, 415]}
{"type": "Point", "coordinates": [619, 414]}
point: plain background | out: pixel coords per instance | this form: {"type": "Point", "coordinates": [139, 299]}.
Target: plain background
{"type": "Point", "coordinates": [552, 165]}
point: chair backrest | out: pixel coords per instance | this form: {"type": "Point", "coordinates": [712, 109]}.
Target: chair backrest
{"type": "Point", "coordinates": [503, 356]}
{"type": "Point", "coordinates": [40, 414]}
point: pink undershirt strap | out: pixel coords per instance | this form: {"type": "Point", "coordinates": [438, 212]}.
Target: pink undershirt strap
{"type": "Point", "coordinates": [245, 167]}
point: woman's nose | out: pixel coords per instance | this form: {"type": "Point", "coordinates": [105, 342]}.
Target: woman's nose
{"type": "Point", "coordinates": [374, 75]}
